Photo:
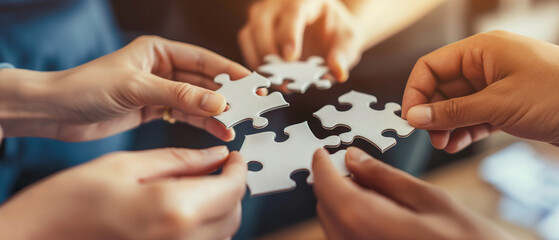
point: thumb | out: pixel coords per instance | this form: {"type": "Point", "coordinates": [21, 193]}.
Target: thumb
{"type": "Point", "coordinates": [452, 113]}
{"type": "Point", "coordinates": [392, 182]}
{"type": "Point", "coordinates": [187, 98]}
{"type": "Point", "coordinates": [344, 53]}
{"type": "Point", "coordinates": [171, 162]}
{"type": "Point", "coordinates": [1, 135]}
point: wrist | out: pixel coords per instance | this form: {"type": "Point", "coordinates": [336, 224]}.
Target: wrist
{"type": "Point", "coordinates": [26, 102]}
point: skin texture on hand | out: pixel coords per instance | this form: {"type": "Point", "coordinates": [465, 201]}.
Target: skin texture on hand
{"type": "Point", "coordinates": [492, 81]}
{"type": "Point", "coordinates": [118, 92]}
{"type": "Point", "coordinates": [154, 194]}
{"type": "Point", "coordinates": [384, 203]}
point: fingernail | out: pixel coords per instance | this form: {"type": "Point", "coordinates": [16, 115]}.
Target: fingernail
{"type": "Point", "coordinates": [357, 155]}
{"type": "Point", "coordinates": [216, 151]}
{"type": "Point", "coordinates": [212, 102]}
{"type": "Point", "coordinates": [420, 115]}
{"type": "Point", "coordinates": [288, 52]}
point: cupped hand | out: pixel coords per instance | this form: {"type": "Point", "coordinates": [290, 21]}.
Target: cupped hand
{"type": "Point", "coordinates": [124, 89]}
{"type": "Point", "coordinates": [297, 29]}
{"type": "Point", "coordinates": [384, 203]}
{"type": "Point", "coordinates": [155, 194]}
{"type": "Point", "coordinates": [492, 81]}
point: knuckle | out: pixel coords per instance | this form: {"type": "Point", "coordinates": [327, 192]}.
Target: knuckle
{"type": "Point", "coordinates": [168, 216]}
{"type": "Point", "coordinates": [118, 161]}
{"type": "Point", "coordinates": [133, 90]}
{"type": "Point", "coordinates": [452, 111]}
{"type": "Point", "coordinates": [183, 92]}
{"type": "Point", "coordinates": [147, 39]}
{"type": "Point", "coordinates": [201, 62]}
{"type": "Point", "coordinates": [181, 156]}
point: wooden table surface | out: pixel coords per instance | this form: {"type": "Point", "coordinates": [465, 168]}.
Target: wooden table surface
{"type": "Point", "coordinates": [461, 180]}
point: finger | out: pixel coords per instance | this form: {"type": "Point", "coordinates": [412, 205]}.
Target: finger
{"type": "Point", "coordinates": [442, 65]}
{"type": "Point", "coordinates": [289, 34]}
{"type": "Point", "coordinates": [196, 79]}
{"type": "Point", "coordinates": [149, 165]}
{"type": "Point", "coordinates": [344, 53]}
{"type": "Point", "coordinates": [234, 173]}
{"type": "Point", "coordinates": [1, 135]}
{"type": "Point", "coordinates": [221, 193]}
{"type": "Point", "coordinates": [248, 48]}
{"type": "Point", "coordinates": [439, 139]}
{"type": "Point", "coordinates": [391, 182]}
{"type": "Point", "coordinates": [190, 58]}
{"type": "Point", "coordinates": [187, 98]}
{"type": "Point", "coordinates": [211, 125]}
{"type": "Point", "coordinates": [464, 137]}
{"type": "Point", "coordinates": [454, 113]}
{"type": "Point", "coordinates": [329, 185]}
{"type": "Point", "coordinates": [263, 36]}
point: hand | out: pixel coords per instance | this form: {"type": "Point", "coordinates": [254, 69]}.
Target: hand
{"type": "Point", "coordinates": [297, 29]}
{"type": "Point", "coordinates": [118, 92]}
{"type": "Point", "coordinates": [488, 82]}
{"type": "Point", "coordinates": [156, 194]}
{"type": "Point", "coordinates": [382, 202]}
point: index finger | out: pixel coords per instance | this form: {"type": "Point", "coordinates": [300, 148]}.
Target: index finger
{"type": "Point", "coordinates": [216, 195]}
{"type": "Point", "coordinates": [462, 61]}
{"type": "Point", "coordinates": [330, 187]}
{"type": "Point", "coordinates": [199, 60]}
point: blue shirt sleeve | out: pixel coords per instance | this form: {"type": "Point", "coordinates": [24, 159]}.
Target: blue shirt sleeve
{"type": "Point", "coordinates": [6, 65]}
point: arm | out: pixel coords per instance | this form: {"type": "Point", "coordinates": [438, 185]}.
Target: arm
{"type": "Point", "coordinates": [335, 30]}
{"type": "Point", "coordinates": [380, 19]}
{"type": "Point", "coordinates": [117, 92]}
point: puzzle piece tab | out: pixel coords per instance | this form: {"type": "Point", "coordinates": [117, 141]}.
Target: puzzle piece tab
{"type": "Point", "coordinates": [365, 122]}
{"type": "Point", "coordinates": [243, 101]}
{"type": "Point", "coordinates": [302, 74]}
{"type": "Point", "coordinates": [280, 159]}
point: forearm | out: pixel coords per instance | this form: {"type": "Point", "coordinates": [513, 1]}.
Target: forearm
{"type": "Point", "coordinates": [25, 103]}
{"type": "Point", "coordinates": [380, 19]}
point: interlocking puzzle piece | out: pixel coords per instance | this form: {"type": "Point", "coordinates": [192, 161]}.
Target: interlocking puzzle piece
{"type": "Point", "coordinates": [365, 122]}
{"type": "Point", "coordinates": [244, 103]}
{"type": "Point", "coordinates": [302, 74]}
{"type": "Point", "coordinates": [280, 159]}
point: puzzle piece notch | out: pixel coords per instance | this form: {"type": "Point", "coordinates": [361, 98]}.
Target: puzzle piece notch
{"type": "Point", "coordinates": [280, 159]}
{"type": "Point", "coordinates": [364, 122]}
{"type": "Point", "coordinates": [243, 101]}
{"type": "Point", "coordinates": [301, 74]}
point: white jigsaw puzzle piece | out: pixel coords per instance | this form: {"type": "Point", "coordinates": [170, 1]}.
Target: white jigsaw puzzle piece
{"type": "Point", "coordinates": [244, 103]}
{"type": "Point", "coordinates": [280, 159]}
{"type": "Point", "coordinates": [302, 74]}
{"type": "Point", "coordinates": [365, 122]}
{"type": "Point", "coordinates": [338, 160]}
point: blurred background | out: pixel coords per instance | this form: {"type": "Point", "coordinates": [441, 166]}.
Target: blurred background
{"type": "Point", "coordinates": [383, 72]}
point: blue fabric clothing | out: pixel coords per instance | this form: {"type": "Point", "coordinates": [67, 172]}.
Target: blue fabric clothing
{"type": "Point", "coordinates": [50, 35]}
{"type": "Point", "coordinates": [6, 65]}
